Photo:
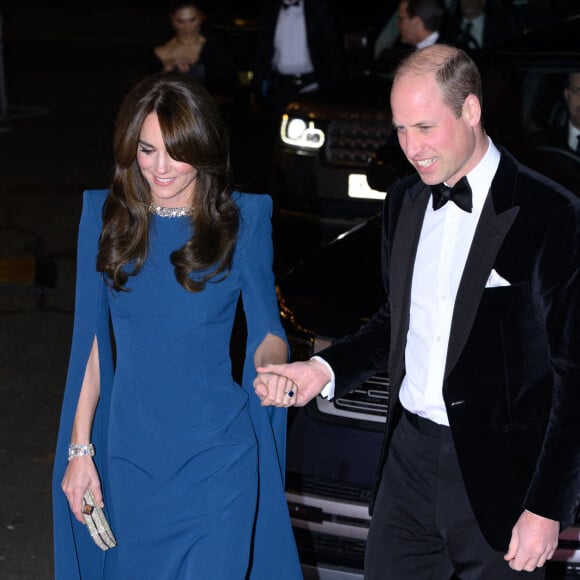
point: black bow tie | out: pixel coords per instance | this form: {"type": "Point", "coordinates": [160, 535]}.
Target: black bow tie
{"type": "Point", "coordinates": [460, 193]}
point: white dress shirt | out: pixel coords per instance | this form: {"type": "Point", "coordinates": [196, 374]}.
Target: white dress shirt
{"type": "Point", "coordinates": [291, 53]}
{"type": "Point", "coordinates": [573, 133]}
{"type": "Point", "coordinates": [444, 243]}
{"type": "Point", "coordinates": [476, 30]}
{"type": "Point", "coordinates": [430, 40]}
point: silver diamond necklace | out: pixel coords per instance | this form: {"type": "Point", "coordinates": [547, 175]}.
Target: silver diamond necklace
{"type": "Point", "coordinates": [170, 212]}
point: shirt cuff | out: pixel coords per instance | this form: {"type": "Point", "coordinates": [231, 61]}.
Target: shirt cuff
{"type": "Point", "coordinates": [328, 389]}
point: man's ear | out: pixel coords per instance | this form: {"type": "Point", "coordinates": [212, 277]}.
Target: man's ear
{"type": "Point", "coordinates": [472, 109]}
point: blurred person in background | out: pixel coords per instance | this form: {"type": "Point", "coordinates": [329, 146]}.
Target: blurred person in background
{"type": "Point", "coordinates": [197, 51]}
{"type": "Point", "coordinates": [563, 128]}
{"type": "Point", "coordinates": [420, 21]}
{"type": "Point", "coordinates": [419, 24]}
{"type": "Point", "coordinates": [299, 50]}
{"type": "Point", "coordinates": [482, 24]}
{"type": "Point", "coordinates": [572, 98]}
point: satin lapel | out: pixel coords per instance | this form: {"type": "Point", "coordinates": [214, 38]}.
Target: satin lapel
{"type": "Point", "coordinates": [489, 235]}
{"type": "Point", "coordinates": [402, 260]}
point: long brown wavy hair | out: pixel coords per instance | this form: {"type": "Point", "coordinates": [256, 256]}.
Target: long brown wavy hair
{"type": "Point", "coordinates": [193, 132]}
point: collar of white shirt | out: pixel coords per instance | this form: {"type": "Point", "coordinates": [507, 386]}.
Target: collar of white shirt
{"type": "Point", "coordinates": [481, 176]}
{"type": "Point", "coordinates": [573, 133]}
{"type": "Point", "coordinates": [431, 39]}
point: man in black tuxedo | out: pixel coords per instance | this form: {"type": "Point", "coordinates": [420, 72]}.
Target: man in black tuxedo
{"type": "Point", "coordinates": [299, 49]}
{"type": "Point", "coordinates": [419, 25]}
{"type": "Point", "coordinates": [482, 24]}
{"type": "Point", "coordinates": [480, 333]}
{"type": "Point", "coordinates": [572, 98]}
{"type": "Point", "coordinates": [419, 22]}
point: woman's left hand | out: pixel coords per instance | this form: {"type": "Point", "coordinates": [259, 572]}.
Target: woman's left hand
{"type": "Point", "coordinates": [275, 390]}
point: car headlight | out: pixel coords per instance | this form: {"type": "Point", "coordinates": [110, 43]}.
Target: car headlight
{"type": "Point", "coordinates": [299, 133]}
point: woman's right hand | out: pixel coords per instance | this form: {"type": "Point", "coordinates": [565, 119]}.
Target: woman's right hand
{"type": "Point", "coordinates": [80, 475]}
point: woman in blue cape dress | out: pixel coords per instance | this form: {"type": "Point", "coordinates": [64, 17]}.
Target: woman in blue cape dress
{"type": "Point", "coordinates": [186, 462]}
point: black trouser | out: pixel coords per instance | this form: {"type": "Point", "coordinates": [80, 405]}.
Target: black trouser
{"type": "Point", "coordinates": [423, 527]}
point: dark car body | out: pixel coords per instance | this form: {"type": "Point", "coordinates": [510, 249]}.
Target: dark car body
{"type": "Point", "coordinates": [328, 139]}
{"type": "Point", "coordinates": [332, 447]}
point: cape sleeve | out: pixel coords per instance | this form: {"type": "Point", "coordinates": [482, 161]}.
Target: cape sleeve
{"type": "Point", "coordinates": [274, 548]}
{"type": "Point", "coordinates": [75, 554]}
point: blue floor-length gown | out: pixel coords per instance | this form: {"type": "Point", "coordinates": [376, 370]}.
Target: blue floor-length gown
{"type": "Point", "coordinates": [191, 465]}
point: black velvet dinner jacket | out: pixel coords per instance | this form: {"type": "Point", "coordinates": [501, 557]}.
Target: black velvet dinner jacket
{"type": "Point", "coordinates": [512, 375]}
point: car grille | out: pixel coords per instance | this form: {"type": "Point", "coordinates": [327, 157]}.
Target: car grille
{"type": "Point", "coordinates": [368, 402]}
{"type": "Point", "coordinates": [371, 397]}
{"type": "Point", "coordinates": [351, 142]}
{"type": "Point", "coordinates": [328, 487]}
{"type": "Point", "coordinates": [316, 547]}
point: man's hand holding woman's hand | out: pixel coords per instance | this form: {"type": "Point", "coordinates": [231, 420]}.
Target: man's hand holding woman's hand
{"type": "Point", "coordinates": [290, 384]}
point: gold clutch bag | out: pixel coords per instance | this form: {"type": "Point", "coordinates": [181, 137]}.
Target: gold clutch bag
{"type": "Point", "coordinates": [97, 523]}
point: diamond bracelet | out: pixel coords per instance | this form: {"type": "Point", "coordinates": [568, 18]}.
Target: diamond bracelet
{"type": "Point", "coordinates": [75, 450]}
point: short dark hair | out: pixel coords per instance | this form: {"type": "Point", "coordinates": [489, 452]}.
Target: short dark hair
{"type": "Point", "coordinates": [430, 12]}
{"type": "Point", "coordinates": [454, 70]}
